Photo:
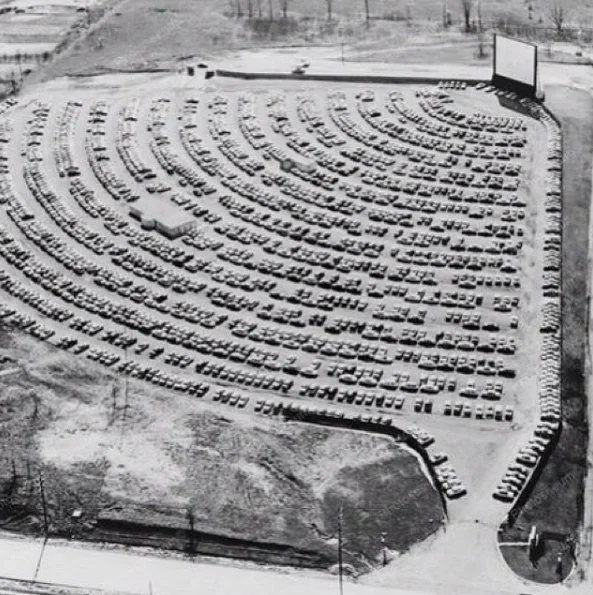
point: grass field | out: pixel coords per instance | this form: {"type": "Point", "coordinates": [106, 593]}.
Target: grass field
{"type": "Point", "coordinates": [150, 34]}
{"type": "Point", "coordinates": [164, 455]}
{"type": "Point", "coordinates": [556, 504]}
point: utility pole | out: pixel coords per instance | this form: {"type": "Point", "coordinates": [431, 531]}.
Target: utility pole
{"type": "Point", "coordinates": [43, 504]}
{"type": "Point", "coordinates": [114, 396]}
{"type": "Point", "coordinates": [340, 569]}
{"type": "Point", "coordinates": [123, 425]}
{"type": "Point", "coordinates": [125, 387]}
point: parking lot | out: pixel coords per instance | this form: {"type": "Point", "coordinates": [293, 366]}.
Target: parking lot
{"type": "Point", "coordinates": [375, 254]}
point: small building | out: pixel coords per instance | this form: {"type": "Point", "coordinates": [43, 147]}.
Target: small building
{"type": "Point", "coordinates": [162, 217]}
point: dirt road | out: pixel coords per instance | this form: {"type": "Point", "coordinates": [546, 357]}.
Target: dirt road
{"type": "Point", "coordinates": [81, 565]}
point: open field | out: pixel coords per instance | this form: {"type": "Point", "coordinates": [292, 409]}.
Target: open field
{"type": "Point", "coordinates": [147, 35]}
{"type": "Point", "coordinates": [31, 34]}
{"type": "Point", "coordinates": [265, 484]}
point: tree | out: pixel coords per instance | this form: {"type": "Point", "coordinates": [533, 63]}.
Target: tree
{"type": "Point", "coordinates": [481, 48]}
{"type": "Point", "coordinates": [259, 8]}
{"type": "Point", "coordinates": [366, 12]}
{"type": "Point", "coordinates": [329, 4]}
{"type": "Point", "coordinates": [284, 7]}
{"type": "Point", "coordinates": [250, 9]}
{"type": "Point", "coordinates": [466, 7]}
{"type": "Point", "coordinates": [191, 521]}
{"type": "Point", "coordinates": [558, 15]}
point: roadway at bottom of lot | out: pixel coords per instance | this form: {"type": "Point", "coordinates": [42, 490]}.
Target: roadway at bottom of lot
{"type": "Point", "coordinates": [453, 561]}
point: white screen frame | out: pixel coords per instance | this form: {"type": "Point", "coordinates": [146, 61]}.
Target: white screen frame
{"type": "Point", "coordinates": [515, 60]}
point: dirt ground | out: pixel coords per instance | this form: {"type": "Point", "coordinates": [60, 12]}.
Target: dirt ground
{"type": "Point", "coordinates": [162, 456]}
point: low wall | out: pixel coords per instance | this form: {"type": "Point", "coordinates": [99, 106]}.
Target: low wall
{"type": "Point", "coordinates": [114, 528]}
{"type": "Point", "coordinates": [346, 78]}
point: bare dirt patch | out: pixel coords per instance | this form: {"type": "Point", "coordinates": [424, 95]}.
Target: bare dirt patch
{"type": "Point", "coordinates": [277, 484]}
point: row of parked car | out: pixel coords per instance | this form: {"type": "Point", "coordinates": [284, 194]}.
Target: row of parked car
{"type": "Point", "coordinates": [449, 482]}
{"type": "Point", "coordinates": [459, 408]}
{"type": "Point", "coordinates": [221, 296]}
{"type": "Point", "coordinates": [535, 451]}
{"type": "Point", "coordinates": [61, 146]}
{"type": "Point", "coordinates": [299, 143]}
{"type": "Point", "coordinates": [126, 143]}
{"type": "Point", "coordinates": [339, 114]}
{"type": "Point", "coordinates": [436, 103]}
{"type": "Point", "coordinates": [104, 277]}
{"type": "Point", "coordinates": [103, 356]}
{"type": "Point", "coordinates": [282, 116]}
{"type": "Point", "coordinates": [481, 129]}
{"type": "Point", "coordinates": [160, 145]}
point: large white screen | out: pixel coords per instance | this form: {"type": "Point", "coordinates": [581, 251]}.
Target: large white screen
{"type": "Point", "coordinates": [515, 60]}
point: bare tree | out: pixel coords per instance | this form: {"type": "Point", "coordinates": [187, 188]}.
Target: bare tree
{"type": "Point", "coordinates": [466, 7]}
{"type": "Point", "coordinates": [367, 14]}
{"type": "Point", "coordinates": [258, 3]}
{"type": "Point", "coordinates": [481, 41]}
{"type": "Point", "coordinates": [284, 7]}
{"type": "Point", "coordinates": [329, 4]}
{"type": "Point", "coordinates": [270, 10]}
{"type": "Point", "coordinates": [558, 15]}
{"type": "Point", "coordinates": [191, 521]}
{"type": "Point", "coordinates": [250, 9]}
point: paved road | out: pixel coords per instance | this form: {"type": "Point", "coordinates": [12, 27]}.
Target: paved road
{"type": "Point", "coordinates": [82, 566]}
{"type": "Point", "coordinates": [586, 541]}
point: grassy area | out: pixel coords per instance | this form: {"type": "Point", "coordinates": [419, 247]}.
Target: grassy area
{"type": "Point", "coordinates": [556, 504]}
{"type": "Point", "coordinates": [166, 456]}
{"type": "Point", "coordinates": [544, 568]}
{"type": "Point", "coordinates": [449, 53]}
{"type": "Point", "coordinates": [152, 34]}
{"type": "Point", "coordinates": [366, 516]}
